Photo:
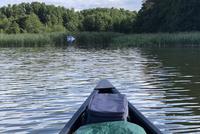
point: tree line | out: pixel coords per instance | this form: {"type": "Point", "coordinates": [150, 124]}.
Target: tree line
{"type": "Point", "coordinates": [154, 16]}
{"type": "Point", "coordinates": [169, 16]}
{"type": "Point", "coordinates": [38, 17]}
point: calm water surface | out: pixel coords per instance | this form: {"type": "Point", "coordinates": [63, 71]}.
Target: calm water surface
{"type": "Point", "coordinates": [41, 88]}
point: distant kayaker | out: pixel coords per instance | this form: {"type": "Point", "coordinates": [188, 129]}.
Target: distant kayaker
{"type": "Point", "coordinates": [70, 39]}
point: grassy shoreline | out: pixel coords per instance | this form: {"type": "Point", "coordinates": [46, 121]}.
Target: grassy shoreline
{"type": "Point", "coordinates": [159, 40]}
{"type": "Point", "coordinates": [102, 39]}
{"type": "Point", "coordinates": [32, 40]}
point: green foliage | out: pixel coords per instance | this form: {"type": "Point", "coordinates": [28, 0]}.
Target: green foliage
{"type": "Point", "coordinates": [158, 40]}
{"type": "Point", "coordinates": [14, 28]}
{"type": "Point", "coordinates": [4, 24]}
{"type": "Point", "coordinates": [38, 17]}
{"type": "Point", "coordinates": [32, 40]}
{"type": "Point", "coordinates": [95, 39]}
{"type": "Point", "coordinates": [23, 40]}
{"type": "Point", "coordinates": [32, 24]}
{"type": "Point", "coordinates": [155, 16]}
{"type": "Point", "coordinates": [102, 40]}
{"type": "Point", "coordinates": [104, 19]}
{"type": "Point", "coordinates": [169, 16]}
{"type": "Point", "coordinates": [58, 28]}
{"type": "Point", "coordinates": [72, 20]}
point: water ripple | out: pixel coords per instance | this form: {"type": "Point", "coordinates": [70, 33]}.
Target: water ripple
{"type": "Point", "coordinates": [40, 88]}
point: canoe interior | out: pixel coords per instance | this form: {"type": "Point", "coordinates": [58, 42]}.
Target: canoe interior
{"type": "Point", "coordinates": [134, 116]}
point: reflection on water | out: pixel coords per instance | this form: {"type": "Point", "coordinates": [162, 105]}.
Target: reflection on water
{"type": "Point", "coordinates": [41, 88]}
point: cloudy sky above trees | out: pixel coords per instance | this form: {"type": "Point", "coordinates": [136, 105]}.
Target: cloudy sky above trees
{"type": "Point", "coordinates": [84, 4]}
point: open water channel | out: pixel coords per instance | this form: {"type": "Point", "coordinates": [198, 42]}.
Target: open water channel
{"type": "Point", "coordinates": [41, 88]}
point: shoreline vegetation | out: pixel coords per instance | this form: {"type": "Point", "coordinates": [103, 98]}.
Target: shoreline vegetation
{"type": "Point", "coordinates": [32, 40]}
{"type": "Point", "coordinates": [102, 39]}
{"type": "Point", "coordinates": [156, 24]}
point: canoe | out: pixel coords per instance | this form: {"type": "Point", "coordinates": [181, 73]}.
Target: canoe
{"type": "Point", "coordinates": [105, 86]}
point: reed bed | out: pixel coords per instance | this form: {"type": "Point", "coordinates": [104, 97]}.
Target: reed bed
{"type": "Point", "coordinates": [158, 40]}
{"type": "Point", "coordinates": [95, 39]}
{"type": "Point", "coordinates": [102, 39]}
{"type": "Point", "coordinates": [32, 40]}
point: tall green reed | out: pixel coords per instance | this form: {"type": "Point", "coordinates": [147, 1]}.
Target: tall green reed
{"type": "Point", "coordinates": [102, 39]}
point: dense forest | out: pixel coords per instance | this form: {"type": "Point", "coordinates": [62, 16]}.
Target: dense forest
{"type": "Point", "coordinates": [154, 16]}
{"type": "Point", "coordinates": [169, 16]}
{"type": "Point", "coordinates": [38, 17]}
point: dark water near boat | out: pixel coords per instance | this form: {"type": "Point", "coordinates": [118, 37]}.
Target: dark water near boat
{"type": "Point", "coordinates": [41, 88]}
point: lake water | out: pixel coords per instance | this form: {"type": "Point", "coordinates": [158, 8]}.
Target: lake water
{"type": "Point", "coordinates": [41, 88]}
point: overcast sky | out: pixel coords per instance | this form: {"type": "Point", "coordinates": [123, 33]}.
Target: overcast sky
{"type": "Point", "coordinates": [84, 4]}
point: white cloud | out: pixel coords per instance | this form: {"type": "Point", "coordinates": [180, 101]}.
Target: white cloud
{"type": "Point", "coordinates": [85, 4]}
